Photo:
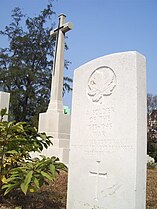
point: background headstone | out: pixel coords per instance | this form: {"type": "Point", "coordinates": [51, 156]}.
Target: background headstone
{"type": "Point", "coordinates": [107, 162]}
{"type": "Point", "coordinates": [4, 102]}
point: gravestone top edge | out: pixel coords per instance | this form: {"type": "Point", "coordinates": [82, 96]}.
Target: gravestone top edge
{"type": "Point", "coordinates": [3, 92]}
{"type": "Point", "coordinates": [136, 53]}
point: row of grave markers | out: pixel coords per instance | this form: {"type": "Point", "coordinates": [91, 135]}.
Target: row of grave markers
{"type": "Point", "coordinates": [107, 158]}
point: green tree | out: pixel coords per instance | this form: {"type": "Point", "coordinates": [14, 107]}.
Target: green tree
{"type": "Point", "coordinates": [25, 66]}
{"type": "Point", "coordinates": [152, 126]}
{"type": "Point", "coordinates": [151, 103]}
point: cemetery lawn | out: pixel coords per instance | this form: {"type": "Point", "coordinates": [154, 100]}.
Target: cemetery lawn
{"type": "Point", "coordinates": [53, 196]}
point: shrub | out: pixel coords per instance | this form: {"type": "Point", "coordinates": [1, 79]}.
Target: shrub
{"type": "Point", "coordinates": [151, 165]}
{"type": "Point", "coordinates": [17, 169]}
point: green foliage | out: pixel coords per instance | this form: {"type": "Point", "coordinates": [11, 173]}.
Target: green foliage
{"type": "Point", "coordinates": [151, 103]}
{"type": "Point", "coordinates": [151, 165]}
{"type": "Point", "coordinates": [3, 112]}
{"type": "Point", "coordinates": [152, 126]}
{"type": "Point", "coordinates": [25, 66]}
{"type": "Point", "coordinates": [17, 169]}
{"type": "Point", "coordinates": [152, 134]}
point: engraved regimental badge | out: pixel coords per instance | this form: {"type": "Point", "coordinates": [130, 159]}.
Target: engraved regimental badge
{"type": "Point", "coordinates": [101, 83]}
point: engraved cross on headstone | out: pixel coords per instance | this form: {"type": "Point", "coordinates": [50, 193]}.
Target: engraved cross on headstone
{"type": "Point", "coordinates": [56, 103]}
{"type": "Point", "coordinates": [97, 174]}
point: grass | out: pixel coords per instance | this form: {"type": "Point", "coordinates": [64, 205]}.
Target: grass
{"type": "Point", "coordinates": [53, 196]}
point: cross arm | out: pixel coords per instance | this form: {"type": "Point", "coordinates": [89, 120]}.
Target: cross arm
{"type": "Point", "coordinates": [95, 173]}
{"type": "Point", "coordinates": [66, 27]}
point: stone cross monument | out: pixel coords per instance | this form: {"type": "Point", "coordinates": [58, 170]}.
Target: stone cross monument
{"type": "Point", "coordinates": [56, 103]}
{"type": "Point", "coordinates": [54, 122]}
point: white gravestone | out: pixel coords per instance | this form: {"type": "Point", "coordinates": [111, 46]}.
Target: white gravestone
{"type": "Point", "coordinates": [4, 102]}
{"type": "Point", "coordinates": [54, 122]}
{"type": "Point", "coordinates": [107, 161]}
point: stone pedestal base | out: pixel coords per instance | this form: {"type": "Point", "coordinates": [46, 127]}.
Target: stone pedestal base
{"type": "Point", "coordinates": [57, 125]}
{"type": "Point", "coordinates": [61, 153]}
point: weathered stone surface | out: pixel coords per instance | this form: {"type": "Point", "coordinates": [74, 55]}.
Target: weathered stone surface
{"type": "Point", "coordinates": [107, 165]}
{"type": "Point", "coordinates": [4, 101]}
{"type": "Point", "coordinates": [54, 122]}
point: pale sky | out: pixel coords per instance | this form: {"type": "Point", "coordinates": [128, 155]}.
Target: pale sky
{"type": "Point", "coordinates": [100, 27]}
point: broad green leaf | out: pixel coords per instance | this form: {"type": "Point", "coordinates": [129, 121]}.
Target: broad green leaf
{"type": "Point", "coordinates": [24, 188]}
{"type": "Point", "coordinates": [61, 166]}
{"type": "Point", "coordinates": [46, 175]}
{"type": "Point", "coordinates": [21, 123]}
{"type": "Point", "coordinates": [12, 178]}
{"type": "Point", "coordinates": [12, 152]}
{"type": "Point", "coordinates": [52, 169]}
{"type": "Point", "coordinates": [5, 186]}
{"type": "Point", "coordinates": [3, 112]}
{"type": "Point", "coordinates": [43, 136]}
{"type": "Point", "coordinates": [38, 164]}
{"type": "Point", "coordinates": [3, 179]}
{"type": "Point", "coordinates": [9, 188]}
{"type": "Point", "coordinates": [43, 157]}
{"type": "Point", "coordinates": [24, 185]}
{"type": "Point", "coordinates": [28, 177]}
{"type": "Point", "coordinates": [36, 182]}
{"type": "Point", "coordinates": [10, 124]}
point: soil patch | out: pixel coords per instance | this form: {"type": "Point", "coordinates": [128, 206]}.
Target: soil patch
{"type": "Point", "coordinates": [54, 196]}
